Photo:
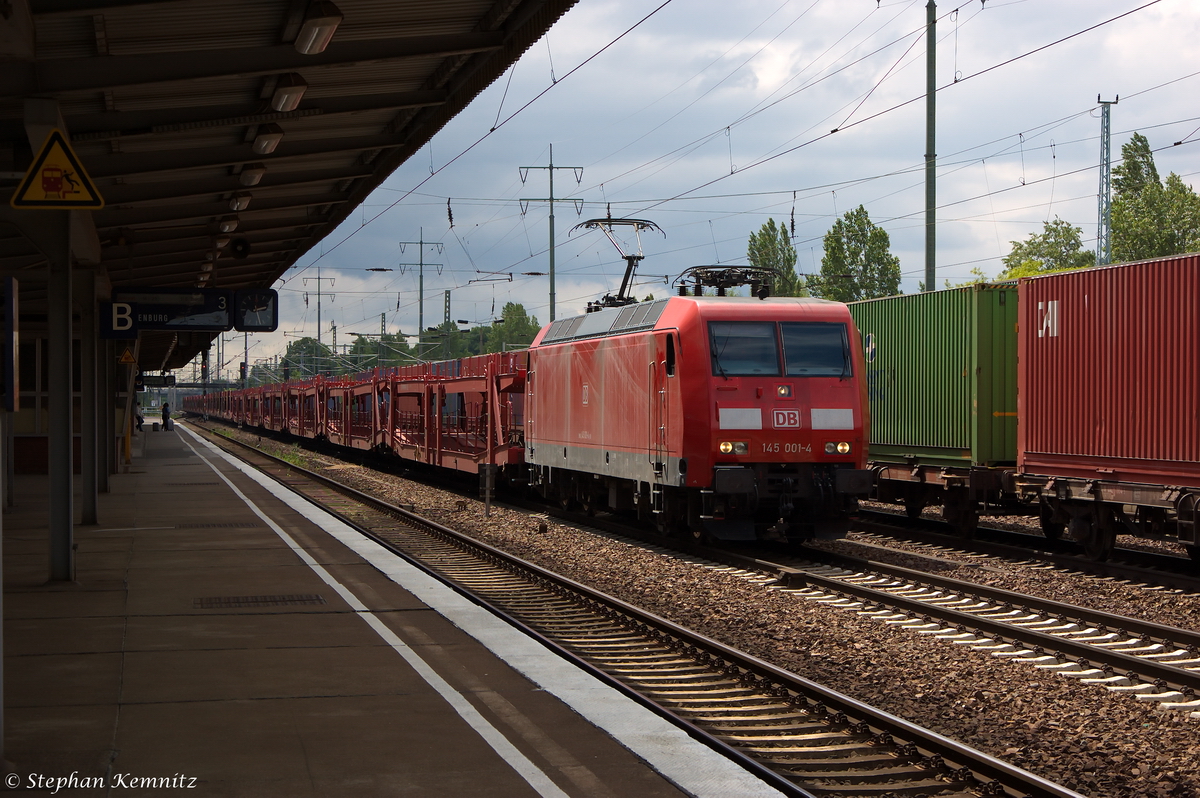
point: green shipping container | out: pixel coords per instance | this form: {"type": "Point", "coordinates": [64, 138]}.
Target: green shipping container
{"type": "Point", "coordinates": [942, 376]}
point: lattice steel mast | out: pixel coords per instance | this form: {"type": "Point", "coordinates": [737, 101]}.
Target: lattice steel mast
{"type": "Point", "coordinates": [1104, 209]}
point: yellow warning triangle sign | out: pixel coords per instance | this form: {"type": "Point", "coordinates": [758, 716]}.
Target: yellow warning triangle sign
{"type": "Point", "coordinates": [56, 179]}
{"type": "Point", "coordinates": [127, 358]}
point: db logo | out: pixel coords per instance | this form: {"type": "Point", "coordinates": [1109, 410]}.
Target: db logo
{"type": "Point", "coordinates": [787, 419]}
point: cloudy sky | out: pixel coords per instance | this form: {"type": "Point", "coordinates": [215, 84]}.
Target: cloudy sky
{"type": "Point", "coordinates": [709, 121]}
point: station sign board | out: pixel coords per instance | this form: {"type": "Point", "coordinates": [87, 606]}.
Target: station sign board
{"type": "Point", "coordinates": [172, 309]}
{"type": "Point", "coordinates": [158, 380]}
{"type": "Point", "coordinates": [183, 309]}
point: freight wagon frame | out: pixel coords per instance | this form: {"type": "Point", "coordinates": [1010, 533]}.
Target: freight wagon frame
{"type": "Point", "coordinates": [1077, 393]}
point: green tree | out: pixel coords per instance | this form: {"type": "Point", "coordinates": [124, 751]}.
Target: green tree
{"type": "Point", "coordinates": [515, 330]}
{"type": "Point", "coordinates": [771, 248]}
{"type": "Point", "coordinates": [978, 275]}
{"type": "Point", "coordinates": [1058, 248]}
{"type": "Point", "coordinates": [306, 357]}
{"type": "Point", "coordinates": [1136, 169]}
{"type": "Point", "coordinates": [377, 351]}
{"type": "Point", "coordinates": [858, 263]}
{"type": "Point", "coordinates": [1151, 218]}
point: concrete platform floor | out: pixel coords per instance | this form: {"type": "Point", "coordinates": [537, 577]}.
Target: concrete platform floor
{"type": "Point", "coordinates": [210, 645]}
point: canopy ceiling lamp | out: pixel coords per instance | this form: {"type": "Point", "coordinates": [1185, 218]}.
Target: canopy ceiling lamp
{"type": "Point", "coordinates": [227, 224]}
{"type": "Point", "coordinates": [289, 89]}
{"type": "Point", "coordinates": [240, 201]}
{"type": "Point", "coordinates": [267, 138]}
{"type": "Point", "coordinates": [251, 174]}
{"type": "Point", "coordinates": [320, 22]}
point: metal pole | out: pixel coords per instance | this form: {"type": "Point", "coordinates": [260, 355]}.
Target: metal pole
{"type": "Point", "coordinates": [89, 485]}
{"type": "Point", "coordinates": [420, 264]}
{"type": "Point", "coordinates": [105, 426]}
{"type": "Point", "coordinates": [930, 145]}
{"type": "Point", "coordinates": [421, 287]}
{"type": "Point", "coordinates": [551, 232]}
{"type": "Point", "coordinates": [551, 199]}
{"type": "Point", "coordinates": [1104, 211]}
{"type": "Point", "coordinates": [61, 444]}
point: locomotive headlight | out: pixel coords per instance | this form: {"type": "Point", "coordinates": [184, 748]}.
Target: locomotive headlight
{"type": "Point", "coordinates": [837, 448]}
{"type": "Point", "coordinates": [734, 447]}
{"type": "Point", "coordinates": [843, 448]}
{"type": "Point", "coordinates": [726, 447]}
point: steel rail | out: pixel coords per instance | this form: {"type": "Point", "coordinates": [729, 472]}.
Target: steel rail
{"type": "Point", "coordinates": [1186, 681]}
{"type": "Point", "coordinates": [993, 776]}
{"type": "Point", "coordinates": [1169, 570]}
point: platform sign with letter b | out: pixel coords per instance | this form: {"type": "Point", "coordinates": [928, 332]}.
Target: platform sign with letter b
{"type": "Point", "coordinates": [116, 321]}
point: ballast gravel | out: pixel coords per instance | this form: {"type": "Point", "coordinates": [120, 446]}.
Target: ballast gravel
{"type": "Point", "coordinates": [1084, 737]}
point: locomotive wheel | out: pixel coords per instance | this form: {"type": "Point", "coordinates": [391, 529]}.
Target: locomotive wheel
{"type": "Point", "coordinates": [913, 508]}
{"type": "Point", "coordinates": [1050, 528]}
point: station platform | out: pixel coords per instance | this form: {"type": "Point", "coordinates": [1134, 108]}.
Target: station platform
{"type": "Point", "coordinates": [224, 635]}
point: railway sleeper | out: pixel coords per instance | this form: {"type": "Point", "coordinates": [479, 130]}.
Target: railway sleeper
{"type": "Point", "coordinates": [913, 775]}
{"type": "Point", "coordinates": [760, 730]}
{"type": "Point", "coordinates": [863, 757]}
{"type": "Point", "coordinates": [832, 755]}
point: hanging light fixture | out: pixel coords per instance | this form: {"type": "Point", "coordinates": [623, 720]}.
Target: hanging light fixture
{"type": "Point", "coordinates": [240, 201]}
{"type": "Point", "coordinates": [320, 22]}
{"type": "Point", "coordinates": [227, 224]}
{"type": "Point", "coordinates": [289, 89]}
{"type": "Point", "coordinates": [267, 138]}
{"type": "Point", "coordinates": [251, 174]}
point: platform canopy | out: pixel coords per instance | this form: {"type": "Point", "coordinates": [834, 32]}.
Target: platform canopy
{"type": "Point", "coordinates": [228, 137]}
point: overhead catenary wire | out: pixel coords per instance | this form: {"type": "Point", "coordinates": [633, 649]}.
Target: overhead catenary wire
{"type": "Point", "coordinates": [716, 195]}
{"type": "Point", "coordinates": [496, 127]}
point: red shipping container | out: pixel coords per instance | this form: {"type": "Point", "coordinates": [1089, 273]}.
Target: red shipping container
{"type": "Point", "coordinates": [1109, 373]}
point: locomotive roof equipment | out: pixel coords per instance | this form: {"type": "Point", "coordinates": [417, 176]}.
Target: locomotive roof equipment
{"type": "Point", "coordinates": [631, 261]}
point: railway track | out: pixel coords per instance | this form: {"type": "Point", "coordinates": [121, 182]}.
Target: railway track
{"type": "Point", "coordinates": [1153, 663]}
{"type": "Point", "coordinates": [803, 738]}
{"type": "Point", "coordinates": [1171, 571]}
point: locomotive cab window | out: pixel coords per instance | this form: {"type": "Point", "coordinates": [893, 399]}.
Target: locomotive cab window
{"type": "Point", "coordinates": [743, 348]}
{"type": "Point", "coordinates": [816, 349]}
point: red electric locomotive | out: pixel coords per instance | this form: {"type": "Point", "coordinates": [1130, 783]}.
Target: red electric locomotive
{"type": "Point", "coordinates": [734, 418]}
{"type": "Point", "coordinates": [723, 417]}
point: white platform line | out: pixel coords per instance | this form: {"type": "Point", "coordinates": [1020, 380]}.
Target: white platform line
{"type": "Point", "coordinates": [499, 743]}
{"type": "Point", "coordinates": [690, 765]}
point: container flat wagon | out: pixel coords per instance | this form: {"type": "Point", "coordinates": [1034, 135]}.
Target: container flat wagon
{"type": "Point", "coordinates": [942, 384]}
{"type": "Point", "coordinates": [1109, 383]}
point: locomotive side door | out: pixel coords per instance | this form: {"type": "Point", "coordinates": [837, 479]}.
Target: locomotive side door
{"type": "Point", "coordinates": [658, 407]}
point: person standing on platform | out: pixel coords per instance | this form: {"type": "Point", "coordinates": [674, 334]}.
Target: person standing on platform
{"type": "Point", "coordinates": [138, 415]}
{"type": "Point", "coordinates": [166, 416]}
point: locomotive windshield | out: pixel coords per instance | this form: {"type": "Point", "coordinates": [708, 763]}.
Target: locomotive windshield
{"type": "Point", "coordinates": [743, 348]}
{"type": "Point", "coordinates": [816, 349]}
{"type": "Point", "coordinates": [751, 349]}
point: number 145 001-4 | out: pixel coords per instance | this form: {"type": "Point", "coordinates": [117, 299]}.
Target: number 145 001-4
{"type": "Point", "coordinates": [787, 448]}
